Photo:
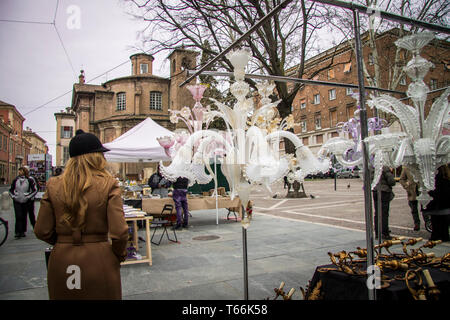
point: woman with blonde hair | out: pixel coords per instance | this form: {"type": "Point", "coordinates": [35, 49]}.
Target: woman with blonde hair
{"type": "Point", "coordinates": [79, 211]}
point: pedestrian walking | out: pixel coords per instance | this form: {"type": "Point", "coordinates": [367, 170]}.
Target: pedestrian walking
{"type": "Point", "coordinates": [80, 211]}
{"type": "Point", "coordinates": [22, 189]}
{"type": "Point", "coordinates": [179, 196]}
{"type": "Point", "coordinates": [386, 182]}
{"type": "Point", "coordinates": [412, 190]}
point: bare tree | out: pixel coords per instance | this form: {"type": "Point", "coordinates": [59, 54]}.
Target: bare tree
{"type": "Point", "coordinates": [281, 44]}
{"type": "Point", "coordinates": [432, 11]}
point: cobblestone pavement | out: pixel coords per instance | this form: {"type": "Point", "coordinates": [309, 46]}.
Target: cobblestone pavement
{"type": "Point", "coordinates": [343, 207]}
{"type": "Point", "coordinates": [287, 240]}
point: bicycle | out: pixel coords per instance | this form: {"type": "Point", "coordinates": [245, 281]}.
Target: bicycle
{"type": "Point", "coordinates": [3, 230]}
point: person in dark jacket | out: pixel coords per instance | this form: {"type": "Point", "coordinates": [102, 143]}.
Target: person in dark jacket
{"type": "Point", "coordinates": [386, 182]}
{"type": "Point", "coordinates": [160, 185]}
{"type": "Point", "coordinates": [23, 188]}
{"type": "Point", "coordinates": [179, 196]}
{"type": "Point", "coordinates": [439, 207]}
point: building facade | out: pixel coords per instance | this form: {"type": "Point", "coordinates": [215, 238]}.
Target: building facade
{"type": "Point", "coordinates": [112, 108]}
{"type": "Point", "coordinates": [37, 144]}
{"type": "Point", "coordinates": [65, 130]}
{"type": "Point", "coordinates": [318, 109]}
{"type": "Point", "coordinates": [14, 147]}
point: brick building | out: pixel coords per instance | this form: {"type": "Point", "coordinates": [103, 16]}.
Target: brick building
{"type": "Point", "coordinates": [14, 147]}
{"type": "Point", "coordinates": [317, 109]}
{"type": "Point", "coordinates": [110, 109]}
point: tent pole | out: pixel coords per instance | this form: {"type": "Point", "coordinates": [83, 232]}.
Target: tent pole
{"type": "Point", "coordinates": [364, 134]}
{"type": "Point", "coordinates": [215, 186]}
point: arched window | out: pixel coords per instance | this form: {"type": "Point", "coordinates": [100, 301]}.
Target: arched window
{"type": "Point", "coordinates": [121, 101]}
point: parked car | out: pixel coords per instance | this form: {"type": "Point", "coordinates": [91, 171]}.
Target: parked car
{"type": "Point", "coordinates": [347, 173]}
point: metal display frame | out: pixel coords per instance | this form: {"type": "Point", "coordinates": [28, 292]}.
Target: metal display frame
{"type": "Point", "coordinates": [356, 10]}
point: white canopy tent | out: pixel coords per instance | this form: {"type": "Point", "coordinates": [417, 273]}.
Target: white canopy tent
{"type": "Point", "coordinates": [139, 144]}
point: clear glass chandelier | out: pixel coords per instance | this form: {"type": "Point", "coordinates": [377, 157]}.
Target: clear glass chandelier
{"type": "Point", "coordinates": [422, 147]}
{"type": "Point", "coordinates": [249, 147]}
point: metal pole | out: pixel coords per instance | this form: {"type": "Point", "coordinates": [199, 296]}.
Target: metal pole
{"type": "Point", "coordinates": [215, 186]}
{"type": "Point", "coordinates": [291, 79]}
{"type": "Point", "coordinates": [244, 247]}
{"type": "Point", "coordinates": [380, 215]}
{"type": "Point", "coordinates": [364, 134]}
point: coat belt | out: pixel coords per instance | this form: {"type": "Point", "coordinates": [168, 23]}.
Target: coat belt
{"type": "Point", "coordinates": [85, 238]}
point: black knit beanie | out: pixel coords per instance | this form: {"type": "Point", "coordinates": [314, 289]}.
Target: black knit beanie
{"type": "Point", "coordinates": [85, 142]}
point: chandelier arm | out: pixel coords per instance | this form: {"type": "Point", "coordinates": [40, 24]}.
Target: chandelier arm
{"type": "Point", "coordinates": [263, 109]}
{"type": "Point", "coordinates": [437, 116]}
{"type": "Point", "coordinates": [345, 163]}
{"type": "Point", "coordinates": [398, 156]}
{"type": "Point", "coordinates": [378, 168]}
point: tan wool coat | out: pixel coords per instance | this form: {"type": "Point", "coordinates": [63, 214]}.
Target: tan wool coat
{"type": "Point", "coordinates": [84, 265]}
{"type": "Point", "coordinates": [407, 182]}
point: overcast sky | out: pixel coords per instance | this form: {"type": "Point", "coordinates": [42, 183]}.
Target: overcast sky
{"type": "Point", "coordinates": [40, 62]}
{"type": "Point", "coordinates": [34, 68]}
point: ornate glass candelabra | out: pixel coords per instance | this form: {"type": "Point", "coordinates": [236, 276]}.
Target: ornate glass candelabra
{"type": "Point", "coordinates": [249, 145]}
{"type": "Point", "coordinates": [422, 147]}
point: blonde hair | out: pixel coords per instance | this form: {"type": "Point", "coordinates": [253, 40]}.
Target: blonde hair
{"type": "Point", "coordinates": [77, 178]}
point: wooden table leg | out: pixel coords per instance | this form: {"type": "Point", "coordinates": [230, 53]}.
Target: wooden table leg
{"type": "Point", "coordinates": [149, 243]}
{"type": "Point", "coordinates": [135, 235]}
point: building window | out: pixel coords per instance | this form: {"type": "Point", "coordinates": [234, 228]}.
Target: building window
{"type": "Point", "coordinates": [333, 117]}
{"type": "Point", "coordinates": [330, 74]}
{"type": "Point", "coordinates": [332, 94]}
{"type": "Point", "coordinates": [350, 111]}
{"type": "Point", "coordinates": [319, 139]}
{"type": "Point", "coordinates": [66, 155]}
{"type": "Point", "coordinates": [316, 99]}
{"type": "Point", "coordinates": [121, 101]}
{"type": "Point", "coordinates": [348, 67]}
{"type": "Point", "coordinates": [305, 141]}
{"type": "Point", "coordinates": [318, 122]}
{"type": "Point", "coordinates": [304, 126]}
{"type": "Point", "coordinates": [403, 81]}
{"type": "Point", "coordinates": [371, 59]}
{"type": "Point", "coordinates": [433, 84]}
{"type": "Point", "coordinates": [66, 132]}
{"type": "Point", "coordinates": [303, 103]}
{"type": "Point", "coordinates": [349, 91]}
{"type": "Point", "coordinates": [144, 68]}
{"type": "Point", "coordinates": [155, 100]}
